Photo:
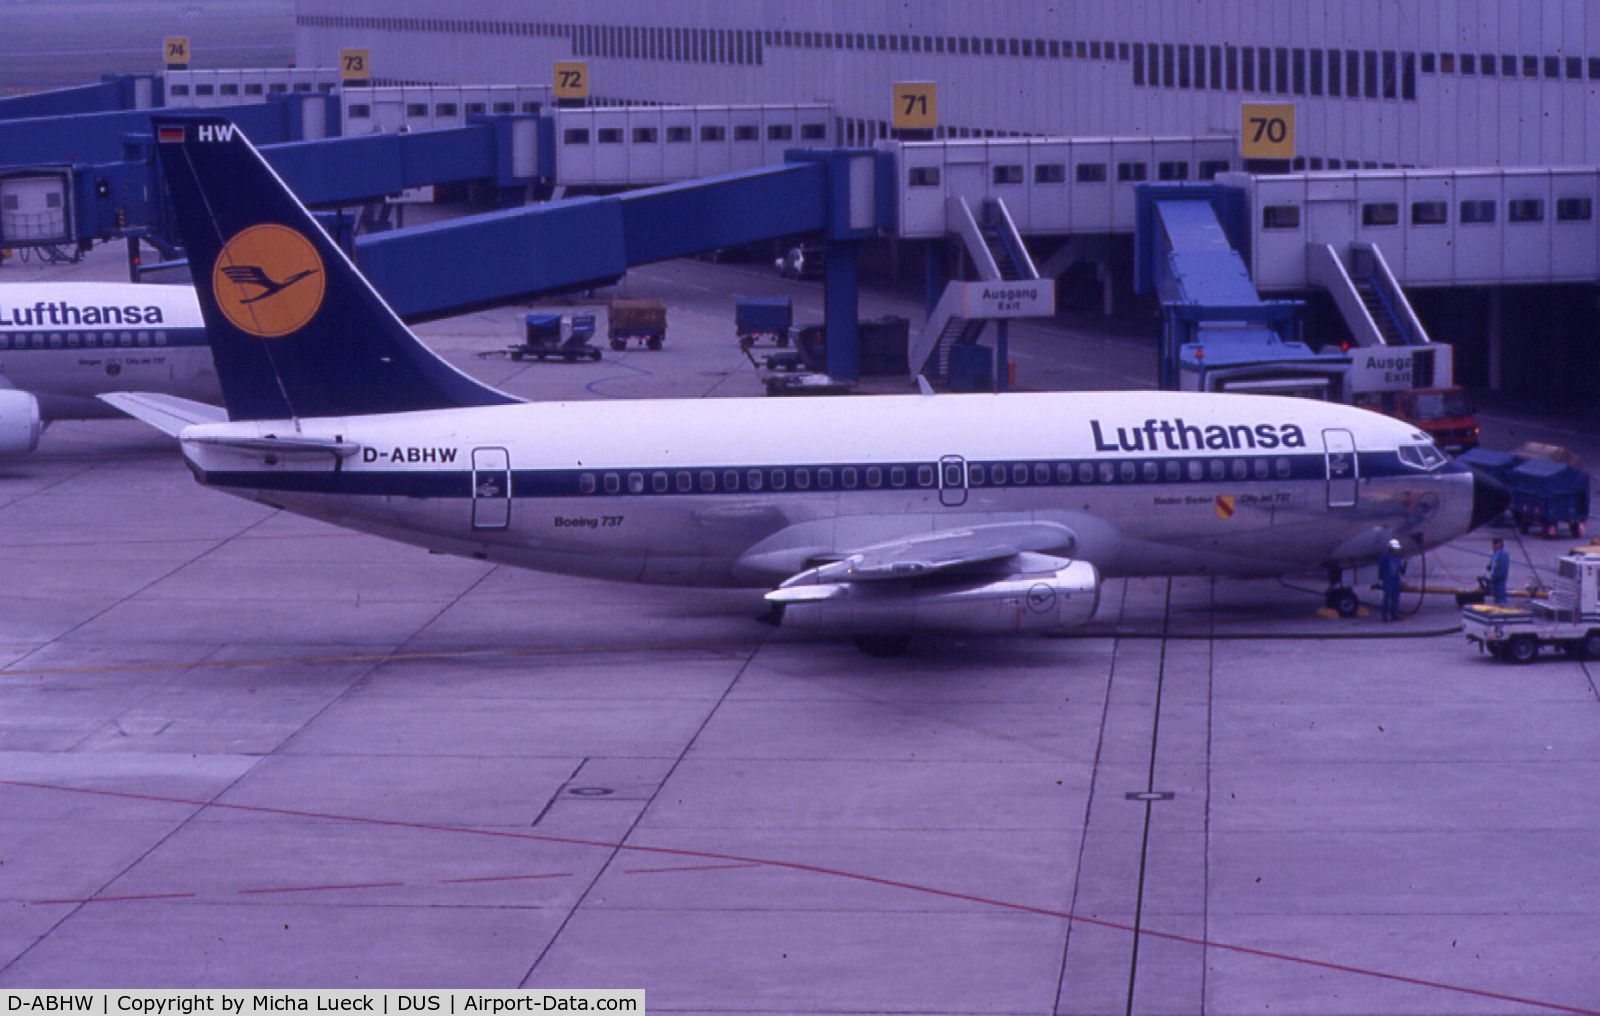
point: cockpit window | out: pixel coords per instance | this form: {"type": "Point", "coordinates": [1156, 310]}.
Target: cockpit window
{"type": "Point", "coordinates": [1421, 456]}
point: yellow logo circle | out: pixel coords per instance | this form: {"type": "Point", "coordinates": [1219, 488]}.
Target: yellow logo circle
{"type": "Point", "coordinates": [268, 280]}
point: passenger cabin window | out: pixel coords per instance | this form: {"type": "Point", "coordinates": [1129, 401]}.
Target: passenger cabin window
{"type": "Point", "coordinates": [685, 482]}
{"type": "Point", "coordinates": [1380, 213]}
{"type": "Point", "coordinates": [1429, 213]}
{"type": "Point", "coordinates": [1130, 172]}
{"type": "Point", "coordinates": [1574, 209]}
{"type": "Point", "coordinates": [1050, 172]}
{"type": "Point", "coordinates": [708, 480]}
{"type": "Point", "coordinates": [613, 483]}
{"type": "Point", "coordinates": [730, 479]}
{"type": "Point", "coordinates": [1477, 212]}
{"type": "Point", "coordinates": [575, 136]}
{"type": "Point", "coordinates": [636, 483]}
{"type": "Point", "coordinates": [752, 479]}
{"type": "Point", "coordinates": [779, 479]}
{"type": "Point", "coordinates": [848, 477]}
{"type": "Point", "coordinates": [1280, 217]}
{"type": "Point", "coordinates": [586, 484]}
{"type": "Point", "coordinates": [1063, 473]}
{"type": "Point", "coordinates": [1006, 174]}
{"type": "Point", "coordinates": [1091, 172]}
{"type": "Point", "coordinates": [1525, 210]}
{"type": "Point", "coordinates": [897, 476]}
{"type": "Point", "coordinates": [923, 176]}
{"type": "Point", "coordinates": [825, 478]}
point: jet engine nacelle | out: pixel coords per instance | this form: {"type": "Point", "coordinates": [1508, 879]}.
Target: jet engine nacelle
{"type": "Point", "coordinates": [1038, 602]}
{"type": "Point", "coordinates": [19, 422]}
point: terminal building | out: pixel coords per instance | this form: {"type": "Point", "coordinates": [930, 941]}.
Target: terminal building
{"type": "Point", "coordinates": [1377, 86]}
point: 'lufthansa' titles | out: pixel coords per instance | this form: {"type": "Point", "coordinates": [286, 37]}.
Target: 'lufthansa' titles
{"type": "Point", "coordinates": [1177, 436]}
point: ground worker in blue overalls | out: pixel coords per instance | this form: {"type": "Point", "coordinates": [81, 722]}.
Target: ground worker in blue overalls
{"type": "Point", "coordinates": [1499, 571]}
{"type": "Point", "coordinates": [1391, 567]}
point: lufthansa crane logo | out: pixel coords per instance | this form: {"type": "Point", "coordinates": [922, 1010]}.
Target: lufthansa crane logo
{"type": "Point", "coordinates": [268, 280]}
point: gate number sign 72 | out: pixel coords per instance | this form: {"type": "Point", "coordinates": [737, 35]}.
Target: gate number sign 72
{"type": "Point", "coordinates": [571, 79]}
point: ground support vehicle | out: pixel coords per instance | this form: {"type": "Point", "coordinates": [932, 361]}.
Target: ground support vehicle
{"type": "Point", "coordinates": [543, 339]}
{"type": "Point", "coordinates": [1444, 414]}
{"type": "Point", "coordinates": [1547, 495]}
{"type": "Point", "coordinates": [640, 320]}
{"type": "Point", "coordinates": [762, 318]}
{"type": "Point", "coordinates": [1568, 620]}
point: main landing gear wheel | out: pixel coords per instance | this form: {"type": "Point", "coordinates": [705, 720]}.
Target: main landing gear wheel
{"type": "Point", "coordinates": [883, 645]}
{"type": "Point", "coordinates": [1343, 599]}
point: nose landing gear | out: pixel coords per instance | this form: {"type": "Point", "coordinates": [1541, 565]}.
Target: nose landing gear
{"type": "Point", "coordinates": [1340, 598]}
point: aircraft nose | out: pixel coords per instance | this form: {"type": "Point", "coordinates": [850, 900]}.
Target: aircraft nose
{"type": "Point", "coordinates": [1490, 498]}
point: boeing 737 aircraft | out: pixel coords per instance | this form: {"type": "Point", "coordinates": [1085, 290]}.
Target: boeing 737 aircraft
{"type": "Point", "coordinates": [870, 517]}
{"type": "Point", "coordinates": [64, 343]}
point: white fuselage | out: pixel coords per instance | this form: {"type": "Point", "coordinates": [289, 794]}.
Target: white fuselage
{"type": "Point", "coordinates": [750, 491]}
{"type": "Point", "coordinates": [67, 342]}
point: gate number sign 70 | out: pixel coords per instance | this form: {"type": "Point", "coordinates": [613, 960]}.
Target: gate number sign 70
{"type": "Point", "coordinates": [1271, 129]}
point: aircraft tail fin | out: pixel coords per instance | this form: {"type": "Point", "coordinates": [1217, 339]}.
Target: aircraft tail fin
{"type": "Point", "coordinates": [295, 329]}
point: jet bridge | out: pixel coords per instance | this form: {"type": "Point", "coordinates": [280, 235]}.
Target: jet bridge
{"type": "Point", "coordinates": [1217, 334]}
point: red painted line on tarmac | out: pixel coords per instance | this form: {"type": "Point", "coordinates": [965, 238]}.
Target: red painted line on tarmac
{"type": "Point", "coordinates": [116, 899]}
{"type": "Point", "coordinates": [694, 867]}
{"type": "Point", "coordinates": [321, 888]}
{"type": "Point", "coordinates": [711, 855]}
{"type": "Point", "coordinates": [502, 878]}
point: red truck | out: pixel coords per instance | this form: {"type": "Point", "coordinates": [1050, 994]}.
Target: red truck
{"type": "Point", "coordinates": [1444, 414]}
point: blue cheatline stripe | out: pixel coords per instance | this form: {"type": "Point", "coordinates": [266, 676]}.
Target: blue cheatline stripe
{"type": "Point", "coordinates": [643, 482]}
{"type": "Point", "coordinates": [24, 342]}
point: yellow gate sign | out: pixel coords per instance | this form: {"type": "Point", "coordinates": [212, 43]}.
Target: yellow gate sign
{"type": "Point", "coordinates": [175, 52]}
{"type": "Point", "coordinates": [916, 105]}
{"type": "Point", "coordinates": [355, 65]}
{"type": "Point", "coordinates": [1266, 130]}
{"type": "Point", "coordinates": [571, 79]}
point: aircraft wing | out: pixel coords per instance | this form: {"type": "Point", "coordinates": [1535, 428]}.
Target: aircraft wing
{"type": "Point", "coordinates": [940, 551]}
{"type": "Point", "coordinates": [166, 413]}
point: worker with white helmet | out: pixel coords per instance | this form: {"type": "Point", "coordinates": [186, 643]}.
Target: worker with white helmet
{"type": "Point", "coordinates": [1391, 568]}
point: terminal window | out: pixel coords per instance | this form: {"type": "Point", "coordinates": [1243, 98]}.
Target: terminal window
{"type": "Point", "coordinates": [474, 108]}
{"type": "Point", "coordinates": [252, 88]}
{"type": "Point", "coordinates": [744, 132]}
{"type": "Point", "coordinates": [1429, 213]}
{"type": "Point", "coordinates": [1380, 213]}
{"type": "Point", "coordinates": [204, 90]}
{"type": "Point", "coordinates": [1525, 210]}
{"type": "Point", "coordinates": [609, 135]}
{"type": "Point", "coordinates": [1574, 209]}
{"type": "Point", "coordinates": [1131, 172]}
{"type": "Point", "coordinates": [1280, 217]}
{"type": "Point", "coordinates": [713, 132]}
{"type": "Point", "coordinates": [1008, 174]}
{"type": "Point", "coordinates": [228, 89]}
{"type": "Point", "coordinates": [923, 176]}
{"type": "Point", "coordinates": [417, 109]}
{"type": "Point", "coordinates": [813, 132]}
{"type": "Point", "coordinates": [1172, 171]}
{"type": "Point", "coordinates": [359, 111]}
{"type": "Point", "coordinates": [1091, 172]}
{"type": "Point", "coordinates": [1209, 168]}
{"type": "Point", "coordinates": [575, 136]}
{"type": "Point", "coordinates": [678, 135]}
{"type": "Point", "coordinates": [179, 90]}
{"type": "Point", "coordinates": [505, 107]}
{"type": "Point", "coordinates": [780, 131]}
{"type": "Point", "coordinates": [644, 135]}
{"type": "Point", "coordinates": [445, 109]}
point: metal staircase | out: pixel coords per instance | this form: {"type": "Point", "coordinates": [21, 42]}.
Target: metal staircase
{"type": "Point", "coordinates": [997, 254]}
{"type": "Point", "coordinates": [1368, 296]}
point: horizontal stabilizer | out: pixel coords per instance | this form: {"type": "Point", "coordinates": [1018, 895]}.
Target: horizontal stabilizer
{"type": "Point", "coordinates": [166, 413]}
{"type": "Point", "coordinates": [281, 445]}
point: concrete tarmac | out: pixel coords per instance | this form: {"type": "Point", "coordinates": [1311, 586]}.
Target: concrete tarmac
{"type": "Point", "coordinates": [239, 748]}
